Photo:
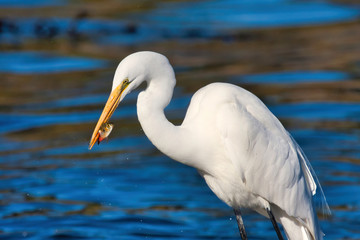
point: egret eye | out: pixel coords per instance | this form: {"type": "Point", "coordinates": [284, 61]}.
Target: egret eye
{"type": "Point", "coordinates": [125, 83]}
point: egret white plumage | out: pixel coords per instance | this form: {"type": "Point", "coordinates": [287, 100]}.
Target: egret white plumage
{"type": "Point", "coordinates": [238, 146]}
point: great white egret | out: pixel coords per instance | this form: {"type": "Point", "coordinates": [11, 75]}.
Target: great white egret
{"type": "Point", "coordinates": [239, 147]}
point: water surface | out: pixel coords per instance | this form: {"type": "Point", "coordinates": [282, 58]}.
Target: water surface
{"type": "Point", "coordinates": [42, 62]}
{"type": "Point", "coordinates": [55, 81]}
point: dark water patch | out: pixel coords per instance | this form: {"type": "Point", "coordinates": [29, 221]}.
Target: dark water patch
{"type": "Point", "coordinates": [150, 233]}
{"type": "Point", "coordinates": [67, 235]}
{"type": "Point", "coordinates": [30, 4]}
{"type": "Point", "coordinates": [146, 220]}
{"type": "Point", "coordinates": [294, 77]}
{"type": "Point", "coordinates": [75, 30]}
{"type": "Point", "coordinates": [51, 226]}
{"type": "Point", "coordinates": [29, 62]}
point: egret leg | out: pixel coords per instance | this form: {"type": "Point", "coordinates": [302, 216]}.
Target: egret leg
{"type": "Point", "coordinates": [240, 224]}
{"type": "Point", "coordinates": [276, 227]}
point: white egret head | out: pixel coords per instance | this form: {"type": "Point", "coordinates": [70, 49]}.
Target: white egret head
{"type": "Point", "coordinates": [130, 73]}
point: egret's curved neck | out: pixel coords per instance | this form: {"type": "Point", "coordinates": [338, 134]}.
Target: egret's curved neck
{"type": "Point", "coordinates": [168, 138]}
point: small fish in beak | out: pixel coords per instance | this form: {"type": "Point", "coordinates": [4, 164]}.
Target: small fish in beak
{"type": "Point", "coordinates": [105, 131]}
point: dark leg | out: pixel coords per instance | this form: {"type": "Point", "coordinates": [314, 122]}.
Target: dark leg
{"type": "Point", "coordinates": [276, 227]}
{"type": "Point", "coordinates": [240, 224]}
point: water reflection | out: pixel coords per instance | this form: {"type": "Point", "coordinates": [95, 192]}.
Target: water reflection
{"type": "Point", "coordinates": [53, 88]}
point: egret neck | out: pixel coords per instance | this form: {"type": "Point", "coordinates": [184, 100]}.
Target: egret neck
{"type": "Point", "coordinates": [170, 139]}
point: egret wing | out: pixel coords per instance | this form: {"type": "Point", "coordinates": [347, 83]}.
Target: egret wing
{"type": "Point", "coordinates": [264, 155]}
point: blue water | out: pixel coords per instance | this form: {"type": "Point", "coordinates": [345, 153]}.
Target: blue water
{"type": "Point", "coordinates": [289, 77]}
{"type": "Point", "coordinates": [32, 3]}
{"type": "Point", "coordinates": [219, 16]}
{"type": "Point", "coordinates": [320, 111]}
{"type": "Point", "coordinates": [202, 19]}
{"type": "Point", "coordinates": [30, 62]}
{"type": "Point", "coordinates": [53, 187]}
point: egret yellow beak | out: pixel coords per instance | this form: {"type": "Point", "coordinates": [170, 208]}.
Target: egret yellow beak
{"type": "Point", "coordinates": [110, 106]}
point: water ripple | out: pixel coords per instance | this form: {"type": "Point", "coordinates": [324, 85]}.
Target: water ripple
{"type": "Point", "coordinates": [28, 62]}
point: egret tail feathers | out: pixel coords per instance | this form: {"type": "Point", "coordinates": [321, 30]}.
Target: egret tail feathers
{"type": "Point", "coordinates": [295, 231]}
{"type": "Point", "coordinates": [299, 229]}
